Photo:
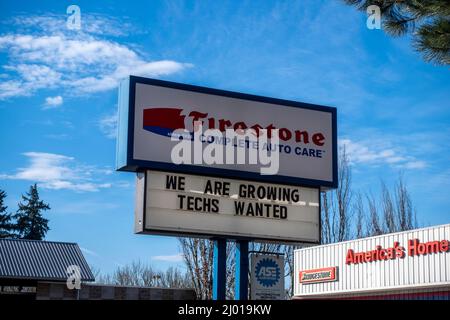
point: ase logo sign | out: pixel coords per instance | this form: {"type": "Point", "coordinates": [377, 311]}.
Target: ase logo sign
{"type": "Point", "coordinates": [268, 272]}
{"type": "Point", "coordinates": [267, 277]}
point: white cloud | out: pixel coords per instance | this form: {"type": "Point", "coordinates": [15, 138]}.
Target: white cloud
{"type": "Point", "coordinates": [30, 77]}
{"type": "Point", "coordinates": [415, 165]}
{"type": "Point", "coordinates": [89, 252]}
{"type": "Point", "coordinates": [58, 136]}
{"type": "Point", "coordinates": [78, 62]}
{"type": "Point", "coordinates": [169, 258]}
{"type": "Point", "coordinates": [108, 125]}
{"type": "Point", "coordinates": [53, 102]}
{"type": "Point", "coordinates": [374, 154]}
{"type": "Point", "coordinates": [54, 171]}
{"type": "Point", "coordinates": [94, 24]}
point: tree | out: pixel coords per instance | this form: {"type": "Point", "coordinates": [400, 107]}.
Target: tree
{"type": "Point", "coordinates": [336, 205]}
{"type": "Point", "coordinates": [360, 217]}
{"type": "Point", "coordinates": [174, 278]}
{"type": "Point", "coordinates": [406, 216]}
{"type": "Point", "coordinates": [396, 214]}
{"type": "Point", "coordinates": [374, 225]}
{"type": "Point", "coordinates": [139, 274]}
{"type": "Point", "coordinates": [198, 255]}
{"type": "Point", "coordinates": [427, 20]}
{"type": "Point", "coordinates": [30, 222]}
{"type": "Point", "coordinates": [347, 214]}
{"type": "Point", "coordinates": [6, 227]}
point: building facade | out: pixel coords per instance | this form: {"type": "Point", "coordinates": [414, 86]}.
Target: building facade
{"type": "Point", "coordinates": [39, 270]}
{"type": "Point", "coordinates": [405, 265]}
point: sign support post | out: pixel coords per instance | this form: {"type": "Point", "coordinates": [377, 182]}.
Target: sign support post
{"type": "Point", "coordinates": [241, 276]}
{"type": "Point", "coordinates": [219, 269]}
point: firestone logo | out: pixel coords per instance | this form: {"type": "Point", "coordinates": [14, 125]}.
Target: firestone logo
{"type": "Point", "coordinates": [165, 121]}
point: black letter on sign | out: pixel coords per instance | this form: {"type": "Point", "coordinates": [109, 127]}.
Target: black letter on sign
{"type": "Point", "coordinates": [181, 197]}
{"type": "Point", "coordinates": [208, 187]}
{"type": "Point", "coordinates": [175, 183]}
{"type": "Point", "coordinates": [283, 212]}
{"type": "Point", "coordinates": [239, 207]}
{"type": "Point", "coordinates": [215, 203]}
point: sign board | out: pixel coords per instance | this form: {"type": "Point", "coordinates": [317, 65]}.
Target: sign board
{"type": "Point", "coordinates": [151, 110]}
{"type": "Point", "coordinates": [182, 204]}
{"type": "Point", "coordinates": [267, 277]}
{"type": "Point", "coordinates": [318, 275]}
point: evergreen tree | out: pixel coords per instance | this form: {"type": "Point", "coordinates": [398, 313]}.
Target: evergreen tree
{"type": "Point", "coordinates": [427, 20]}
{"type": "Point", "coordinates": [6, 227]}
{"type": "Point", "coordinates": [30, 222]}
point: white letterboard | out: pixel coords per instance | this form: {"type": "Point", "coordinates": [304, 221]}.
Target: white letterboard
{"type": "Point", "coordinates": [170, 203]}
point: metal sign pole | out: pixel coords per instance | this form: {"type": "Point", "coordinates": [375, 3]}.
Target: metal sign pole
{"type": "Point", "coordinates": [241, 276]}
{"type": "Point", "coordinates": [219, 269]}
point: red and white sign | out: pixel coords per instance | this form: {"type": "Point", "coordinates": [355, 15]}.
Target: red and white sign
{"type": "Point", "coordinates": [151, 110]}
{"type": "Point", "coordinates": [318, 275]}
{"type": "Point", "coordinates": [415, 248]}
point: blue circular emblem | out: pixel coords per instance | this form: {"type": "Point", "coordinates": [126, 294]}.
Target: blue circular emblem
{"type": "Point", "coordinates": [268, 272]}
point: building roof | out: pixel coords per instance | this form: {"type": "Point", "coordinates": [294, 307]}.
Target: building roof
{"type": "Point", "coordinates": [40, 260]}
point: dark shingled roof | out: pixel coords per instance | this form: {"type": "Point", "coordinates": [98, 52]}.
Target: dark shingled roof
{"type": "Point", "coordinates": [40, 260]}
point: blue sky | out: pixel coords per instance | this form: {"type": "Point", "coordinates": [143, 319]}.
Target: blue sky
{"type": "Point", "coordinates": [58, 99]}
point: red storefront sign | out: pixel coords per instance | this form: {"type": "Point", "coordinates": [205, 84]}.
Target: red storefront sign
{"type": "Point", "coordinates": [415, 248]}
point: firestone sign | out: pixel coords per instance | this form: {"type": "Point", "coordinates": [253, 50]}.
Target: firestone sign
{"type": "Point", "coordinates": [151, 111]}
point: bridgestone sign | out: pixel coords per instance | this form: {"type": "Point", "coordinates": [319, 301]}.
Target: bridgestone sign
{"type": "Point", "coordinates": [318, 275]}
{"type": "Point", "coordinates": [180, 204]}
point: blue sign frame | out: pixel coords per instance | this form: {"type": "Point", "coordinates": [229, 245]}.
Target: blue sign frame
{"type": "Point", "coordinates": [125, 138]}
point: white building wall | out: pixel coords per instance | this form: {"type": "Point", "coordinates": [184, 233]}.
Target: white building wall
{"type": "Point", "coordinates": [424, 271]}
